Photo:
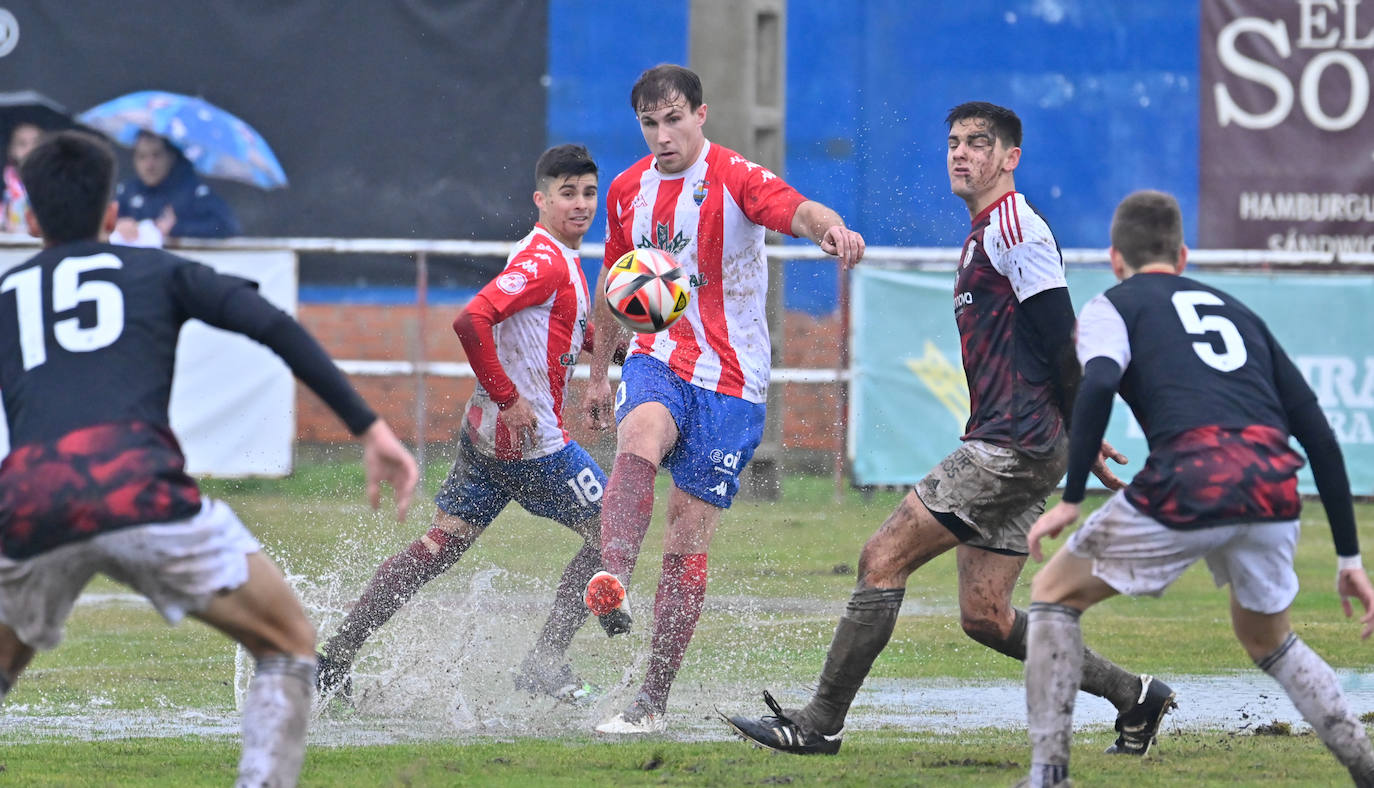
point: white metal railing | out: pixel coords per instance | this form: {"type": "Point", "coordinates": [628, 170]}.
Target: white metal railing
{"type": "Point", "coordinates": [923, 257]}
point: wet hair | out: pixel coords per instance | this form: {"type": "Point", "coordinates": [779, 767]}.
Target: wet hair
{"type": "Point", "coordinates": [1005, 125]}
{"type": "Point", "coordinates": [69, 177]}
{"type": "Point", "coordinates": [664, 82]}
{"type": "Point", "coordinates": [560, 161]}
{"type": "Point", "coordinates": [1147, 228]}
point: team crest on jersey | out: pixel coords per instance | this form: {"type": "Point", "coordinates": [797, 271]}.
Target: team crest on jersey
{"type": "Point", "coordinates": [672, 244]}
{"type": "Point", "coordinates": [511, 282]}
{"type": "Point", "coordinates": [968, 254]}
{"type": "Point", "coordinates": [699, 191]}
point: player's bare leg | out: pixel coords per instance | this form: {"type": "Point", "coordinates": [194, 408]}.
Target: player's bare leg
{"type": "Point", "coordinates": [643, 438]}
{"type": "Point", "coordinates": [677, 607]}
{"type": "Point", "coordinates": [265, 616]}
{"type": "Point", "coordinates": [394, 583]}
{"type": "Point", "coordinates": [986, 580]}
{"type": "Point", "coordinates": [1310, 683]}
{"type": "Point", "coordinates": [14, 657]}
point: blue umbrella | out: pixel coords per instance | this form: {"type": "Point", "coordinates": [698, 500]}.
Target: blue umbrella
{"type": "Point", "coordinates": [217, 143]}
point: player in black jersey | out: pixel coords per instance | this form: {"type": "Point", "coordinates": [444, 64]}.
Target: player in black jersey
{"type": "Point", "coordinates": [95, 479]}
{"type": "Point", "coordinates": [1217, 398]}
{"type": "Point", "coordinates": [1015, 324]}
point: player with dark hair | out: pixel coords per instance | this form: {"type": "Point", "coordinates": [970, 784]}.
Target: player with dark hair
{"type": "Point", "coordinates": [522, 334]}
{"type": "Point", "coordinates": [95, 480]}
{"type": "Point", "coordinates": [1015, 320]}
{"type": "Point", "coordinates": [1217, 398]}
{"type": "Point", "coordinates": [691, 397]}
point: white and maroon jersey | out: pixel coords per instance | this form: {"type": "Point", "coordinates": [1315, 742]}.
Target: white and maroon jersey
{"type": "Point", "coordinates": [540, 302]}
{"type": "Point", "coordinates": [1009, 256]}
{"type": "Point", "coordinates": [711, 218]}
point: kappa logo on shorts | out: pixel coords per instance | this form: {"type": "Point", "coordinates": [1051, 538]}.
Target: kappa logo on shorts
{"type": "Point", "coordinates": [730, 462]}
{"type": "Point", "coordinates": [511, 282]}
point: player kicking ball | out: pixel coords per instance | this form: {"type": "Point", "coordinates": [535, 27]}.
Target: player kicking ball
{"type": "Point", "coordinates": [1217, 398]}
{"type": "Point", "coordinates": [522, 334]}
{"type": "Point", "coordinates": [95, 481]}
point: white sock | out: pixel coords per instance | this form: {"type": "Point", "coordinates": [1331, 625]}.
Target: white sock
{"type": "Point", "coordinates": [1054, 669]}
{"type": "Point", "coordinates": [275, 715]}
{"type": "Point", "coordinates": [1312, 686]}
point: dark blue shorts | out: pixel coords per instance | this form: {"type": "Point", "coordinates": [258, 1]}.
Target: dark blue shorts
{"type": "Point", "coordinates": [565, 486]}
{"type": "Point", "coordinates": [717, 433]}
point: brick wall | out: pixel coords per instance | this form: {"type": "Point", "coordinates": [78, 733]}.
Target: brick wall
{"type": "Point", "coordinates": [393, 332]}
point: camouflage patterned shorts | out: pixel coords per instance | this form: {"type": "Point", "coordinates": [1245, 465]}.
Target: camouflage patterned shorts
{"type": "Point", "coordinates": [995, 493]}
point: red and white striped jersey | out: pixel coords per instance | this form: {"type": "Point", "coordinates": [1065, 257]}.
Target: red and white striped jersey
{"type": "Point", "coordinates": [540, 302]}
{"type": "Point", "coordinates": [711, 218]}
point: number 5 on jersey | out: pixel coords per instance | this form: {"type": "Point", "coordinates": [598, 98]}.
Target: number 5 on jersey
{"type": "Point", "coordinates": [68, 293]}
{"type": "Point", "coordinates": [1233, 355]}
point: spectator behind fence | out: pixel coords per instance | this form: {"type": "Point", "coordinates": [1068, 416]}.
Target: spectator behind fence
{"type": "Point", "coordinates": [167, 198]}
{"type": "Point", "coordinates": [22, 139]}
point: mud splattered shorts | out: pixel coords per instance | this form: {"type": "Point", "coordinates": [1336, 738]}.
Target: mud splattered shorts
{"type": "Point", "coordinates": [179, 566]}
{"type": "Point", "coordinates": [989, 496]}
{"type": "Point", "coordinates": [1138, 555]}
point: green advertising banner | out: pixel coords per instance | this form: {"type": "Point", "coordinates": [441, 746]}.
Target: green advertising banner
{"type": "Point", "coordinates": [909, 398]}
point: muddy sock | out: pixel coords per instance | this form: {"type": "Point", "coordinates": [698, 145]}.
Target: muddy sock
{"type": "Point", "coordinates": [861, 635]}
{"type": "Point", "coordinates": [569, 611]}
{"type": "Point", "coordinates": [1313, 688]}
{"type": "Point", "coordinates": [396, 581]}
{"type": "Point", "coordinates": [626, 512]}
{"type": "Point", "coordinates": [275, 715]}
{"type": "Point", "coordinates": [677, 608]}
{"type": "Point", "coordinates": [1101, 677]}
{"type": "Point", "coordinates": [1054, 668]}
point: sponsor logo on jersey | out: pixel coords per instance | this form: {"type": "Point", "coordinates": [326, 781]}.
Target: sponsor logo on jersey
{"type": "Point", "coordinates": [963, 299]}
{"type": "Point", "coordinates": [699, 190]}
{"type": "Point", "coordinates": [698, 280]}
{"type": "Point", "coordinates": [568, 359]}
{"type": "Point", "coordinates": [511, 282]}
{"type": "Point", "coordinates": [663, 239]}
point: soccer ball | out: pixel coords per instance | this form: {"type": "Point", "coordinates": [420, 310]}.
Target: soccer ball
{"type": "Point", "coordinates": [647, 290]}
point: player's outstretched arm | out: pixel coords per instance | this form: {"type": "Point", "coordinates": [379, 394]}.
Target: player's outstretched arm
{"type": "Point", "coordinates": [386, 460]}
{"type": "Point", "coordinates": [598, 404]}
{"type": "Point", "coordinates": [826, 229]}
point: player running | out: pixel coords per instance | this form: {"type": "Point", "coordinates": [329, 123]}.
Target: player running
{"type": "Point", "coordinates": [95, 481]}
{"type": "Point", "coordinates": [1016, 328]}
{"type": "Point", "coordinates": [1217, 398]}
{"type": "Point", "coordinates": [692, 397]}
{"type": "Point", "coordinates": [522, 334]}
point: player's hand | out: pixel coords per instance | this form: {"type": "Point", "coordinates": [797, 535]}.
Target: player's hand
{"type": "Point", "coordinates": [845, 244]}
{"type": "Point", "coordinates": [126, 228]}
{"type": "Point", "coordinates": [598, 406]}
{"type": "Point", "coordinates": [520, 420]}
{"type": "Point", "coordinates": [166, 220]}
{"type": "Point", "coordinates": [1050, 524]}
{"type": "Point", "coordinates": [386, 460]}
{"type": "Point", "coordinates": [1355, 582]}
{"type": "Point", "coordinates": [1104, 474]}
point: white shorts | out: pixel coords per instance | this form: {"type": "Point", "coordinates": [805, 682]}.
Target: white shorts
{"type": "Point", "coordinates": [178, 566]}
{"type": "Point", "coordinates": [1137, 555]}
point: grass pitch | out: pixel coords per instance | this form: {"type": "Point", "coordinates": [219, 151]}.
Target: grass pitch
{"type": "Point", "coordinates": [127, 700]}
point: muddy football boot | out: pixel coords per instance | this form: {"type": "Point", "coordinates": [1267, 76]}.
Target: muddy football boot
{"type": "Point", "coordinates": [1137, 726]}
{"type": "Point", "coordinates": [779, 732]}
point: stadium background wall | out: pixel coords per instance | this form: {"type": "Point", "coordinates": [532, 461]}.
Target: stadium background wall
{"type": "Point", "coordinates": [398, 120]}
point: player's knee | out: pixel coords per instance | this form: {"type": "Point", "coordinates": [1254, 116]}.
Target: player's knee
{"type": "Point", "coordinates": [880, 567]}
{"type": "Point", "coordinates": [984, 628]}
